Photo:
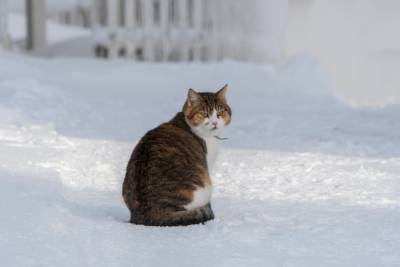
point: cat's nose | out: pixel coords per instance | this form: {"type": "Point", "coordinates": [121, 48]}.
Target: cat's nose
{"type": "Point", "coordinates": [214, 123]}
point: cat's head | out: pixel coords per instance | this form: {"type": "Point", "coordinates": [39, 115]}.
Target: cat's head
{"type": "Point", "coordinates": [207, 113]}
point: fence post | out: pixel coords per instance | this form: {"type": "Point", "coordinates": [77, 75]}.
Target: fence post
{"type": "Point", "coordinates": [223, 30]}
{"type": "Point", "coordinates": [198, 30]}
{"type": "Point", "coordinates": [36, 24]}
{"type": "Point", "coordinates": [3, 24]}
{"type": "Point", "coordinates": [213, 30]}
{"type": "Point", "coordinates": [164, 27]}
{"type": "Point", "coordinates": [235, 25]}
{"type": "Point", "coordinates": [148, 27]}
{"type": "Point", "coordinates": [112, 12]}
{"type": "Point", "coordinates": [184, 29]}
{"type": "Point", "coordinates": [94, 15]}
{"type": "Point", "coordinates": [130, 24]}
{"type": "Point", "coordinates": [129, 14]}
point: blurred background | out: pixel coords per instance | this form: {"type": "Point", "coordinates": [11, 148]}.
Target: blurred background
{"type": "Point", "coordinates": [355, 41]}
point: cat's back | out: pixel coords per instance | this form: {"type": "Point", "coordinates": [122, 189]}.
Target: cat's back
{"type": "Point", "coordinates": [170, 145]}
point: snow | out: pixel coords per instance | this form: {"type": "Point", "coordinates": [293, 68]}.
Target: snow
{"type": "Point", "coordinates": [303, 180]}
{"type": "Point", "coordinates": [356, 41]}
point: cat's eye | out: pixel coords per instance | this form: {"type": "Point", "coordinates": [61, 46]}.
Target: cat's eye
{"type": "Point", "coordinates": [221, 112]}
{"type": "Point", "coordinates": [204, 113]}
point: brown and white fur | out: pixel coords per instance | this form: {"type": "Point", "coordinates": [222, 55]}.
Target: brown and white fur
{"type": "Point", "coordinates": [167, 181]}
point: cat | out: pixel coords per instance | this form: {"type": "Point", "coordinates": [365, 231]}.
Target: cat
{"type": "Point", "coordinates": [167, 181]}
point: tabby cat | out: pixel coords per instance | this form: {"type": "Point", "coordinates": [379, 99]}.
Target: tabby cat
{"type": "Point", "coordinates": [167, 181]}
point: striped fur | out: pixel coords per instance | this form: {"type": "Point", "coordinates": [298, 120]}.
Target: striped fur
{"type": "Point", "coordinates": [169, 164]}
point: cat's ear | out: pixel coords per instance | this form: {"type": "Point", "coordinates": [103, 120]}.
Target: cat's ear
{"type": "Point", "coordinates": [194, 98]}
{"type": "Point", "coordinates": [222, 92]}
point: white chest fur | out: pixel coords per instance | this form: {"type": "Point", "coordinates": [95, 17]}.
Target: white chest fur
{"type": "Point", "coordinates": [212, 151]}
{"type": "Point", "coordinates": [202, 195]}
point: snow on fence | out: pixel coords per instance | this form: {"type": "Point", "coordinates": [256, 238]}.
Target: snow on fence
{"type": "Point", "coordinates": [188, 30]}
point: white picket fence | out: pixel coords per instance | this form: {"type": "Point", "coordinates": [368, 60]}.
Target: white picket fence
{"type": "Point", "coordinates": [188, 30]}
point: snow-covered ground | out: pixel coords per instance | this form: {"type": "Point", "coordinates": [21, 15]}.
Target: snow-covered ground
{"type": "Point", "coordinates": [304, 180]}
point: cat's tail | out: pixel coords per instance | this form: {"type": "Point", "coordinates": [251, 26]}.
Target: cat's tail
{"type": "Point", "coordinates": [176, 218]}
